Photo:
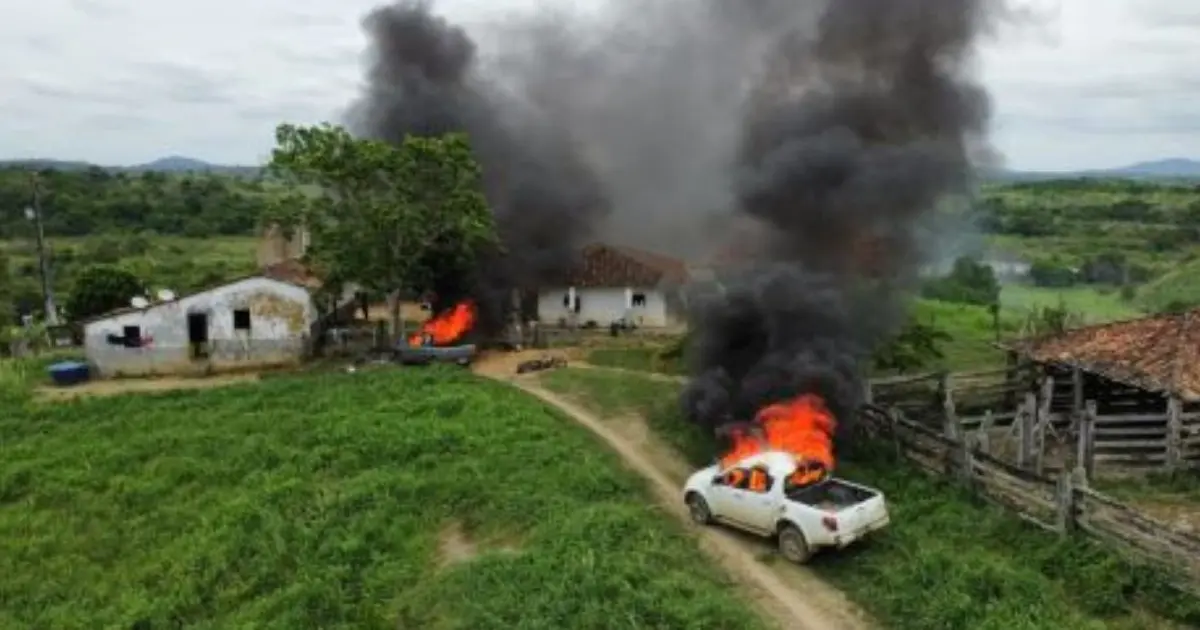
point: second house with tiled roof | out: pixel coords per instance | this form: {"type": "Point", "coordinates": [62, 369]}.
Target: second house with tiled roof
{"type": "Point", "coordinates": [617, 284]}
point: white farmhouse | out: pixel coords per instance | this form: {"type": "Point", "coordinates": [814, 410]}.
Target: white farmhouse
{"type": "Point", "coordinates": [262, 320]}
{"type": "Point", "coordinates": [617, 284]}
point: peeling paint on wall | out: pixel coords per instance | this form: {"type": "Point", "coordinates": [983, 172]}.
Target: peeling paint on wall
{"type": "Point", "coordinates": [264, 304]}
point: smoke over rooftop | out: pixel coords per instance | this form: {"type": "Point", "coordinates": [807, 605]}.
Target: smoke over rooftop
{"type": "Point", "coordinates": [426, 78]}
{"type": "Point", "coordinates": [828, 132]}
{"type": "Point", "coordinates": [859, 128]}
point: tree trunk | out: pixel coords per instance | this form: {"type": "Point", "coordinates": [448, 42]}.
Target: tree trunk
{"type": "Point", "coordinates": [397, 328]}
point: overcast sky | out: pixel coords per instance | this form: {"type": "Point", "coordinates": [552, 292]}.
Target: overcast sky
{"type": "Point", "coordinates": [1093, 83]}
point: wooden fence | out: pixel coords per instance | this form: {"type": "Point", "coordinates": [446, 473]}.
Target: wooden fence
{"type": "Point", "coordinates": [1041, 423]}
{"type": "Point", "coordinates": [1063, 503]}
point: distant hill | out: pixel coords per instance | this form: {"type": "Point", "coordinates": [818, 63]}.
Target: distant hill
{"type": "Point", "coordinates": [181, 164]}
{"type": "Point", "coordinates": [1165, 169]}
{"type": "Point", "coordinates": [169, 164]}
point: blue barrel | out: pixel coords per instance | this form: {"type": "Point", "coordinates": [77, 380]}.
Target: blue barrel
{"type": "Point", "coordinates": [67, 373]}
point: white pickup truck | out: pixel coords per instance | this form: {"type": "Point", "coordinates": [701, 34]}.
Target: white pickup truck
{"type": "Point", "coordinates": [829, 513]}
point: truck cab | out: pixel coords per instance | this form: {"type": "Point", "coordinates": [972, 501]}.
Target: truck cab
{"type": "Point", "coordinates": [757, 495]}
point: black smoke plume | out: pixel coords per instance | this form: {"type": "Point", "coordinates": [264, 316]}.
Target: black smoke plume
{"type": "Point", "coordinates": [860, 126]}
{"type": "Point", "coordinates": [828, 133]}
{"type": "Point", "coordinates": [425, 79]}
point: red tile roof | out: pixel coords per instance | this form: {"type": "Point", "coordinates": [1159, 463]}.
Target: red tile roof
{"type": "Point", "coordinates": [614, 266]}
{"type": "Point", "coordinates": [1159, 353]}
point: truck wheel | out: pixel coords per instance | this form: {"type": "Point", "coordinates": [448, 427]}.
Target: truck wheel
{"type": "Point", "coordinates": [792, 545]}
{"type": "Point", "coordinates": [698, 509]}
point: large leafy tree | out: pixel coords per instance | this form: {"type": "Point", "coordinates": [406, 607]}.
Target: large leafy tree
{"type": "Point", "coordinates": [969, 282]}
{"type": "Point", "coordinates": [378, 214]}
{"type": "Point", "coordinates": [100, 289]}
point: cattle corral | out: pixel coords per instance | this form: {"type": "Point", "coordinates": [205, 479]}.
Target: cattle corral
{"type": "Point", "coordinates": [1050, 417]}
{"type": "Point", "coordinates": [1037, 460]}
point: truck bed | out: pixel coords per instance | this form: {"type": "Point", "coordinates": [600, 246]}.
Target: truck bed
{"type": "Point", "coordinates": [831, 495]}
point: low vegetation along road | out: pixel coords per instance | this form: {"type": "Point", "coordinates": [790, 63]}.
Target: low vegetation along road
{"type": "Point", "coordinates": [791, 597]}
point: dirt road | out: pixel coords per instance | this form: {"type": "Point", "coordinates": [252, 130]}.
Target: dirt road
{"type": "Point", "coordinates": [792, 597]}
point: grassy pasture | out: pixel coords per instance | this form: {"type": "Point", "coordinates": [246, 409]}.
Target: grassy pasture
{"type": "Point", "coordinates": [948, 560]}
{"type": "Point", "coordinates": [403, 498]}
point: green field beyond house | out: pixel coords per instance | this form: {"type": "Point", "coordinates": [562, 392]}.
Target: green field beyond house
{"type": "Point", "coordinates": [326, 501]}
{"type": "Point", "coordinates": [1092, 304]}
{"type": "Point", "coordinates": [947, 560]}
{"type": "Point", "coordinates": [1180, 286]}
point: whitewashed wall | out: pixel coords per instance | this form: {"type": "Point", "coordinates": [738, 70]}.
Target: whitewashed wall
{"type": "Point", "coordinates": [281, 317]}
{"type": "Point", "coordinates": [605, 305]}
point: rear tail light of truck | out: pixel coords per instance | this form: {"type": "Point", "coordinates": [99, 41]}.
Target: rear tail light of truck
{"type": "Point", "coordinates": [830, 523]}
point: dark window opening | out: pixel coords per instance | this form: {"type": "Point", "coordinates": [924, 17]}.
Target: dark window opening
{"type": "Point", "coordinates": [133, 336]}
{"type": "Point", "coordinates": [567, 301]}
{"type": "Point", "coordinates": [576, 304]}
{"type": "Point", "coordinates": [639, 299]}
{"type": "Point", "coordinates": [241, 319]}
{"type": "Point", "coordinates": [197, 325]}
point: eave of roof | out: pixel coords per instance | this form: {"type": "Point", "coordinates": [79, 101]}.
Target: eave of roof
{"type": "Point", "coordinates": [288, 272]}
{"type": "Point", "coordinates": [603, 265]}
{"type": "Point", "coordinates": [1159, 353]}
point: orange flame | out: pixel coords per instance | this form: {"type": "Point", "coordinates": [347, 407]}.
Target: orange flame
{"type": "Point", "coordinates": [447, 326]}
{"type": "Point", "coordinates": [802, 426]}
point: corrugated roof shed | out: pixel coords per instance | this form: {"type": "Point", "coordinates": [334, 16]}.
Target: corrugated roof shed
{"type": "Point", "coordinates": [1159, 353]}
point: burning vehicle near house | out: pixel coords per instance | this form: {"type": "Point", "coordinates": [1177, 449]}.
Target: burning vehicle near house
{"type": "Point", "coordinates": [777, 481]}
{"type": "Point", "coordinates": [437, 340]}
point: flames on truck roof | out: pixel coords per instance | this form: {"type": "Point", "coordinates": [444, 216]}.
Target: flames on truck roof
{"type": "Point", "coordinates": [777, 463]}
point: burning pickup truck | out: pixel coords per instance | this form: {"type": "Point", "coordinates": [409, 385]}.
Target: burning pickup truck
{"type": "Point", "coordinates": [775, 482]}
{"type": "Point", "coordinates": [829, 513]}
{"type": "Point", "coordinates": [432, 343]}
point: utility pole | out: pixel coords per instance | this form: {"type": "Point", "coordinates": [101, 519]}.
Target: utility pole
{"type": "Point", "coordinates": [34, 213]}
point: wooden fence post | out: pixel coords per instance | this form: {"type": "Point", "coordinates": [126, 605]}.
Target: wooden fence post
{"type": "Point", "coordinates": [1076, 391]}
{"type": "Point", "coordinates": [1026, 416]}
{"type": "Point", "coordinates": [1174, 433]}
{"type": "Point", "coordinates": [1066, 502]}
{"type": "Point", "coordinates": [984, 437]}
{"type": "Point", "coordinates": [951, 428]}
{"type": "Point", "coordinates": [949, 416]}
{"type": "Point", "coordinates": [1012, 376]}
{"type": "Point", "coordinates": [1085, 452]}
{"type": "Point", "coordinates": [1045, 396]}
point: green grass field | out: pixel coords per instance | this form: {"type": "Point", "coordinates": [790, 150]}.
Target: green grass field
{"type": "Point", "coordinates": [644, 358]}
{"type": "Point", "coordinates": [178, 263]}
{"type": "Point", "coordinates": [1095, 306]}
{"type": "Point", "coordinates": [317, 502]}
{"type": "Point", "coordinates": [947, 561]}
{"type": "Point", "coordinates": [1182, 284]}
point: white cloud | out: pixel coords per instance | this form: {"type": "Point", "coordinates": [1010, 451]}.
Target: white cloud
{"type": "Point", "coordinates": [1087, 83]}
{"type": "Point", "coordinates": [1096, 83]}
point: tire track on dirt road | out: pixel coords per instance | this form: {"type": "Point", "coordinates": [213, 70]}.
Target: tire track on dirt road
{"type": "Point", "coordinates": [803, 603]}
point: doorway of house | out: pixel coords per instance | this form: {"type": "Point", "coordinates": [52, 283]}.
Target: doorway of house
{"type": "Point", "coordinates": [197, 324]}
